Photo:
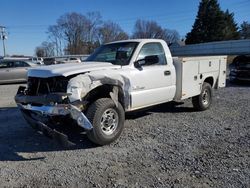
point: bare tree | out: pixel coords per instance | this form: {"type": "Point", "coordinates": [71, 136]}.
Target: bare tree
{"type": "Point", "coordinates": [79, 32]}
{"type": "Point", "coordinates": [72, 26]}
{"type": "Point", "coordinates": [75, 33]}
{"type": "Point", "coordinates": [94, 21]}
{"type": "Point", "coordinates": [171, 36]}
{"type": "Point", "coordinates": [47, 49]}
{"type": "Point", "coordinates": [111, 31]}
{"type": "Point", "coordinates": [56, 36]}
{"type": "Point", "coordinates": [40, 52]}
{"type": "Point", "coordinates": [150, 29]}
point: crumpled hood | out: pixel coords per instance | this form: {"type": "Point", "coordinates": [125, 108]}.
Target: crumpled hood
{"type": "Point", "coordinates": [69, 69]}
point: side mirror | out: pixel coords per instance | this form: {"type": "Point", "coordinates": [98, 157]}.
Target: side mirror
{"type": "Point", "coordinates": [138, 64]}
{"type": "Point", "coordinates": [148, 60]}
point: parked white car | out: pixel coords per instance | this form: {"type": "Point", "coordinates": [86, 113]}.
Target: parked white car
{"type": "Point", "coordinates": [73, 60]}
{"type": "Point", "coordinates": [69, 60]}
{"type": "Point", "coordinates": [37, 60]}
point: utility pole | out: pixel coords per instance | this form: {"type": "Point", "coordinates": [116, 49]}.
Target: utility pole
{"type": "Point", "coordinates": [3, 36]}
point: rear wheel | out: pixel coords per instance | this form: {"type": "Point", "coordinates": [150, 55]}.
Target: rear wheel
{"type": "Point", "coordinates": [204, 100]}
{"type": "Point", "coordinates": [107, 120]}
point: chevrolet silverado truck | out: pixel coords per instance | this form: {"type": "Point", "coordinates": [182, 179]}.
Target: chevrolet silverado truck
{"type": "Point", "coordinates": [118, 77]}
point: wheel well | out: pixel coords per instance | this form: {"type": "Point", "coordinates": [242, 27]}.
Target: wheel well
{"type": "Point", "coordinates": [103, 91]}
{"type": "Point", "coordinates": [209, 80]}
{"type": "Point", "coordinates": [240, 59]}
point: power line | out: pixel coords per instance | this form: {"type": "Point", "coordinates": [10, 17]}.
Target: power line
{"type": "Point", "coordinates": [172, 16]}
{"type": "Point", "coordinates": [25, 26]}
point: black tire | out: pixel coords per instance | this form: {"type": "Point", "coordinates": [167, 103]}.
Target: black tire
{"type": "Point", "coordinates": [204, 100]}
{"type": "Point", "coordinates": [99, 114]}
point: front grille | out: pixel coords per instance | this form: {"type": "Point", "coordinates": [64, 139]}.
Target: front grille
{"type": "Point", "coordinates": [42, 86]}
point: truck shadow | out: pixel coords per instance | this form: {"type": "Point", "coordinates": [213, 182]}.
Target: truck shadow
{"type": "Point", "coordinates": [19, 142]}
{"type": "Point", "coordinates": [171, 107]}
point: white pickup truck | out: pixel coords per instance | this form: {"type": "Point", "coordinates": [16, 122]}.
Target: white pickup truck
{"type": "Point", "coordinates": [118, 77]}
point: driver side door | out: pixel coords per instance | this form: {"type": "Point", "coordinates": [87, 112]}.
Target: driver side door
{"type": "Point", "coordinates": [152, 84]}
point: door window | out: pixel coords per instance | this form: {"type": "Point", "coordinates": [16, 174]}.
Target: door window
{"type": "Point", "coordinates": [153, 49]}
{"type": "Point", "coordinates": [20, 64]}
{"type": "Point", "coordinates": [7, 64]}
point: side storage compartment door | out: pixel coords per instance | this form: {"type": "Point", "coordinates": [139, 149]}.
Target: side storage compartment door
{"type": "Point", "coordinates": [209, 65]}
{"type": "Point", "coordinates": [222, 73]}
{"type": "Point", "coordinates": [190, 78]}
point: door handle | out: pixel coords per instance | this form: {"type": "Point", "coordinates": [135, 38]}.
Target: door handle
{"type": "Point", "coordinates": [167, 73]}
{"type": "Point", "coordinates": [7, 71]}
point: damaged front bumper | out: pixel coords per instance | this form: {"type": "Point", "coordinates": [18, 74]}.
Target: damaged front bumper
{"type": "Point", "coordinates": [61, 138]}
{"type": "Point", "coordinates": [60, 110]}
{"type": "Point", "coordinates": [48, 107]}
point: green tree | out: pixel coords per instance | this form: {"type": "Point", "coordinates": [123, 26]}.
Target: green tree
{"type": "Point", "coordinates": [212, 24]}
{"type": "Point", "coordinates": [230, 28]}
{"type": "Point", "coordinates": [245, 30]}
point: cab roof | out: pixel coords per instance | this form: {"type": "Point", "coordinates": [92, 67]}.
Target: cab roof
{"type": "Point", "coordinates": [137, 40]}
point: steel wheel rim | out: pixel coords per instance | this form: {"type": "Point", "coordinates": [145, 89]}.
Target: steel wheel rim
{"type": "Point", "coordinates": [205, 97]}
{"type": "Point", "coordinates": [109, 121]}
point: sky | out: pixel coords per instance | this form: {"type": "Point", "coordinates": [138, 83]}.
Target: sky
{"type": "Point", "coordinates": [27, 21]}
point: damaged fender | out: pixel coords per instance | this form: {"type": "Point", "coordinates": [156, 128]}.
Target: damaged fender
{"type": "Point", "coordinates": [80, 85]}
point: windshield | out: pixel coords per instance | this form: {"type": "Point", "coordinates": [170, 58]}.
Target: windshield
{"type": "Point", "coordinates": [116, 53]}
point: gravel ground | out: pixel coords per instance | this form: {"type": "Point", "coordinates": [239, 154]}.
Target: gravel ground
{"type": "Point", "coordinates": [166, 146]}
{"type": "Point", "coordinates": [7, 93]}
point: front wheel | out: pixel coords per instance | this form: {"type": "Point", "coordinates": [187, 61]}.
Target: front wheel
{"type": "Point", "coordinates": [204, 100]}
{"type": "Point", "coordinates": [107, 120]}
